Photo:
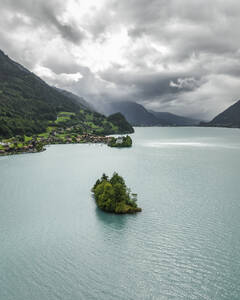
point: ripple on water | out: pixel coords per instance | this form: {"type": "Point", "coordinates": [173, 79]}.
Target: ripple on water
{"type": "Point", "coordinates": [185, 244]}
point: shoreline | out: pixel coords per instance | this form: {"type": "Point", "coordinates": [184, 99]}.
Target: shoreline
{"type": "Point", "coordinates": [44, 149]}
{"type": "Point", "coordinates": [18, 153]}
{"type": "Point", "coordinates": [102, 140]}
{"type": "Point", "coordinates": [38, 145]}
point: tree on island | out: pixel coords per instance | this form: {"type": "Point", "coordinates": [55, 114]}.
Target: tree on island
{"type": "Point", "coordinates": [121, 142]}
{"type": "Point", "coordinates": [112, 195]}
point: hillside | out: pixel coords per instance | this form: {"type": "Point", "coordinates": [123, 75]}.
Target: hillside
{"type": "Point", "coordinates": [228, 118]}
{"type": "Point", "coordinates": [119, 120]}
{"type": "Point", "coordinates": [28, 105]}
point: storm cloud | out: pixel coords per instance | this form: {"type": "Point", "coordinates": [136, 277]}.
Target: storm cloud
{"type": "Point", "coordinates": [170, 55]}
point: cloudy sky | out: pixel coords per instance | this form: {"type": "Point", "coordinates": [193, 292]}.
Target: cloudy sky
{"type": "Point", "coordinates": [181, 56]}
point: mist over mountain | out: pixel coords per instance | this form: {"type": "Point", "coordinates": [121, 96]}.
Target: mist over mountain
{"type": "Point", "coordinates": [28, 104]}
{"type": "Point", "coordinates": [76, 98]}
{"type": "Point", "coordinates": [175, 56]}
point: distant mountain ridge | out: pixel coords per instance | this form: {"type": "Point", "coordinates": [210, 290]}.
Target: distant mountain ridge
{"type": "Point", "coordinates": [228, 118]}
{"type": "Point", "coordinates": [137, 115]}
{"type": "Point", "coordinates": [174, 120]}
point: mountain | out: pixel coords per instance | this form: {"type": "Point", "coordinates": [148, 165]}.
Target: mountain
{"type": "Point", "coordinates": [228, 118]}
{"type": "Point", "coordinates": [28, 105]}
{"type": "Point", "coordinates": [174, 120]}
{"type": "Point", "coordinates": [135, 113]}
{"type": "Point", "coordinates": [138, 115]}
{"type": "Point", "coordinates": [119, 120]}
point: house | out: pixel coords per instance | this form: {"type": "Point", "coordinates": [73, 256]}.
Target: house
{"type": "Point", "coordinates": [119, 140]}
{"type": "Point", "coordinates": [5, 144]}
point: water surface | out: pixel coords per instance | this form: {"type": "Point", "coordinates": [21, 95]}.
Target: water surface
{"type": "Point", "coordinates": [55, 243]}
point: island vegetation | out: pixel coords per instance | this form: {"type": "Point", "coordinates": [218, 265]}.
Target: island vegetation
{"type": "Point", "coordinates": [121, 142]}
{"type": "Point", "coordinates": [112, 195]}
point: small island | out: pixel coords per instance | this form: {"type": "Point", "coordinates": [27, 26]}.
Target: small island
{"type": "Point", "coordinates": [112, 195]}
{"type": "Point", "coordinates": [120, 142]}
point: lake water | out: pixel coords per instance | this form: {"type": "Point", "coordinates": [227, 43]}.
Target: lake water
{"type": "Point", "coordinates": [55, 243]}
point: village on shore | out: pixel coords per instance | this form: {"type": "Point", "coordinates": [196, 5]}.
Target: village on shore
{"type": "Point", "coordinates": [24, 144]}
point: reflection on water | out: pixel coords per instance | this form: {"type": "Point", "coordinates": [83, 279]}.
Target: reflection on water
{"type": "Point", "coordinates": [116, 222]}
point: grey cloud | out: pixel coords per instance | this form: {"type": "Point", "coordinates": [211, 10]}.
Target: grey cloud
{"type": "Point", "coordinates": [185, 83]}
{"type": "Point", "coordinates": [188, 26]}
{"type": "Point", "coordinates": [69, 32]}
{"type": "Point", "coordinates": [182, 56]}
{"type": "Point", "coordinates": [64, 63]}
{"type": "Point", "coordinates": [44, 14]}
{"type": "Point", "coordinates": [150, 85]}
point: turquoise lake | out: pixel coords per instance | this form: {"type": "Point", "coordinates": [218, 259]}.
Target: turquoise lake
{"type": "Point", "coordinates": [55, 244]}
